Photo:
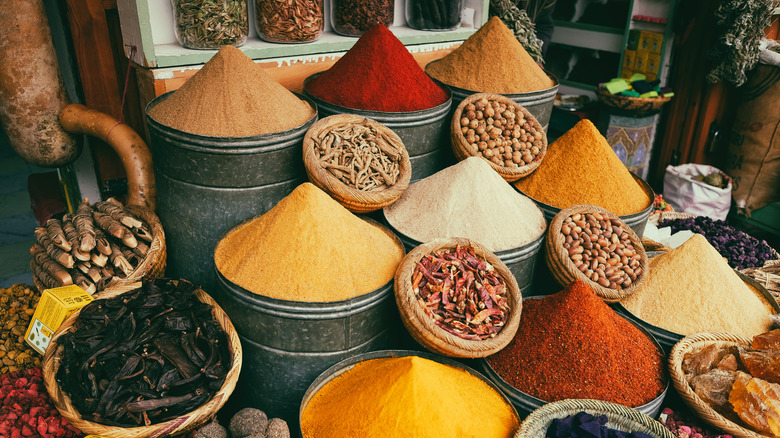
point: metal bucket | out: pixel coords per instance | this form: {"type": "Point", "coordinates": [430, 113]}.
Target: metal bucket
{"type": "Point", "coordinates": [526, 403]}
{"type": "Point", "coordinates": [346, 365]}
{"type": "Point", "coordinates": [538, 103]}
{"type": "Point", "coordinates": [636, 221]}
{"type": "Point", "coordinates": [207, 184]}
{"type": "Point", "coordinates": [521, 261]}
{"type": "Point", "coordinates": [287, 344]}
{"type": "Point", "coordinates": [425, 133]}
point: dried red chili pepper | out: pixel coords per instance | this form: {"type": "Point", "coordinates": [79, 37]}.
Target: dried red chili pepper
{"type": "Point", "coordinates": [572, 345]}
{"type": "Point", "coordinates": [462, 293]}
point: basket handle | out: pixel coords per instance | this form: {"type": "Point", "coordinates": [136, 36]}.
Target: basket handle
{"type": "Point", "coordinates": [132, 150]}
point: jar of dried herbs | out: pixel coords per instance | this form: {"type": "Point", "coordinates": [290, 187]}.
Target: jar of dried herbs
{"type": "Point", "coordinates": [353, 17]}
{"type": "Point", "coordinates": [433, 14]}
{"type": "Point", "coordinates": [289, 21]}
{"type": "Point", "coordinates": [210, 24]}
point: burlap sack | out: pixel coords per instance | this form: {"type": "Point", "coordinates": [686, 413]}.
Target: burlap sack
{"type": "Point", "coordinates": [754, 149]}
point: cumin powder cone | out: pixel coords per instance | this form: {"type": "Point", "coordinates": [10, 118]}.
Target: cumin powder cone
{"type": "Point", "coordinates": [308, 248]}
{"type": "Point", "coordinates": [407, 397]}
{"type": "Point", "coordinates": [491, 61]}
{"type": "Point", "coordinates": [231, 96]}
{"type": "Point", "coordinates": [580, 167]}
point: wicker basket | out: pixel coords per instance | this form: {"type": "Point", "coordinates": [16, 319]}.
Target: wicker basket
{"type": "Point", "coordinates": [422, 327]}
{"type": "Point", "coordinates": [706, 412]}
{"type": "Point", "coordinates": [51, 364]}
{"type": "Point", "coordinates": [152, 266]}
{"type": "Point", "coordinates": [619, 416]}
{"type": "Point", "coordinates": [354, 200]}
{"type": "Point", "coordinates": [563, 269]}
{"type": "Point", "coordinates": [634, 104]}
{"type": "Point", "coordinates": [463, 149]}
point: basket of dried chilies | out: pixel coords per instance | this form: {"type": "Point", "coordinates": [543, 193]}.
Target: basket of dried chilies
{"type": "Point", "coordinates": [457, 298]}
{"type": "Point", "coordinates": [501, 131]}
{"type": "Point", "coordinates": [359, 162]}
{"type": "Point", "coordinates": [101, 245]}
{"type": "Point", "coordinates": [145, 360]}
{"type": "Point", "coordinates": [591, 244]}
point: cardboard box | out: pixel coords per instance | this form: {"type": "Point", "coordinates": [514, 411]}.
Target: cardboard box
{"type": "Point", "coordinates": [650, 41]}
{"type": "Point", "coordinates": [653, 63]}
{"type": "Point", "coordinates": [54, 307]}
{"type": "Point", "coordinates": [629, 57]}
{"type": "Point", "coordinates": [641, 61]}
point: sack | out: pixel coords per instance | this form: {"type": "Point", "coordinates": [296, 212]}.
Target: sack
{"type": "Point", "coordinates": [754, 148]}
{"type": "Point", "coordinates": [687, 194]}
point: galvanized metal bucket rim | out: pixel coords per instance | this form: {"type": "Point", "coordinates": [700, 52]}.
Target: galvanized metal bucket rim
{"type": "Point", "coordinates": [313, 310]}
{"type": "Point", "coordinates": [424, 114]}
{"type": "Point", "coordinates": [243, 145]}
{"type": "Point", "coordinates": [526, 247]}
{"type": "Point", "coordinates": [463, 91]}
{"type": "Point", "coordinates": [526, 399]}
{"type": "Point", "coordinates": [347, 364]}
{"type": "Point", "coordinates": [671, 337]}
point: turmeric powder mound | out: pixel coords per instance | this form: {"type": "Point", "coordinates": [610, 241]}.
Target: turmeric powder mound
{"type": "Point", "coordinates": [581, 168]}
{"type": "Point", "coordinates": [407, 397]}
{"type": "Point", "coordinates": [308, 248]}
{"type": "Point", "coordinates": [231, 96]}
{"type": "Point", "coordinates": [692, 289]}
{"type": "Point", "coordinates": [491, 61]}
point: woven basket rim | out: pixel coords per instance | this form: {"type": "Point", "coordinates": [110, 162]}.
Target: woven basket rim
{"type": "Point", "coordinates": [607, 94]}
{"type": "Point", "coordinates": [423, 328]}
{"type": "Point", "coordinates": [152, 266]}
{"type": "Point", "coordinates": [462, 150]}
{"type": "Point", "coordinates": [540, 419]}
{"type": "Point", "coordinates": [705, 411]}
{"type": "Point", "coordinates": [183, 423]}
{"type": "Point", "coordinates": [565, 271]}
{"type": "Point", "coordinates": [353, 199]}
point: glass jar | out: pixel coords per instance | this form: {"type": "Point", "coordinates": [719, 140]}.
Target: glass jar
{"type": "Point", "coordinates": [210, 24]}
{"type": "Point", "coordinates": [353, 17]}
{"type": "Point", "coordinates": [289, 21]}
{"type": "Point", "coordinates": [433, 14]}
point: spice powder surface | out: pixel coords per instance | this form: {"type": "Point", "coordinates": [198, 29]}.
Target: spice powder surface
{"type": "Point", "coordinates": [308, 248]}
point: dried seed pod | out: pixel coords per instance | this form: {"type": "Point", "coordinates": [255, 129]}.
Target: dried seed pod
{"type": "Point", "coordinates": [117, 211]}
{"type": "Point", "coordinates": [143, 233]}
{"type": "Point", "coordinates": [81, 256]}
{"type": "Point", "coordinates": [57, 235]}
{"type": "Point", "coordinates": [55, 253]}
{"type": "Point", "coordinates": [83, 282]}
{"type": "Point", "coordinates": [109, 225]}
{"type": "Point", "coordinates": [99, 259]}
{"type": "Point", "coordinates": [70, 231]}
{"type": "Point", "coordinates": [85, 226]}
{"type": "Point", "coordinates": [131, 257]}
{"type": "Point", "coordinates": [101, 242]}
{"type": "Point", "coordinates": [41, 257]}
{"type": "Point", "coordinates": [44, 277]}
{"type": "Point", "coordinates": [119, 260]}
{"type": "Point", "coordinates": [141, 250]}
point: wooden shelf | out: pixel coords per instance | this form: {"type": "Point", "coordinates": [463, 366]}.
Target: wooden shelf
{"type": "Point", "coordinates": [589, 27]}
{"type": "Point", "coordinates": [576, 36]}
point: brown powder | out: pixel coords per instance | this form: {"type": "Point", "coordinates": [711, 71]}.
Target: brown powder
{"type": "Point", "coordinates": [491, 61]}
{"type": "Point", "coordinates": [692, 289]}
{"type": "Point", "coordinates": [231, 96]}
{"type": "Point", "coordinates": [581, 168]}
{"type": "Point", "coordinates": [308, 248]}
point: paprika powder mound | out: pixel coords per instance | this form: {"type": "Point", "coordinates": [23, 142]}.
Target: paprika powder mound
{"type": "Point", "coordinates": [580, 167]}
{"type": "Point", "coordinates": [308, 248]}
{"type": "Point", "coordinates": [378, 74]}
{"type": "Point", "coordinates": [407, 397]}
{"type": "Point", "coordinates": [231, 96]}
{"type": "Point", "coordinates": [573, 345]}
{"type": "Point", "coordinates": [491, 61]}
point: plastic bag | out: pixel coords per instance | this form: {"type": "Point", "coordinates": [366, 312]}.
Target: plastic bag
{"type": "Point", "coordinates": [689, 195]}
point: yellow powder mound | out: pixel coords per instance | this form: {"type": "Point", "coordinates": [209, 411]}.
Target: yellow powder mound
{"type": "Point", "coordinates": [231, 96]}
{"type": "Point", "coordinates": [491, 61]}
{"type": "Point", "coordinates": [581, 168]}
{"type": "Point", "coordinates": [407, 397]}
{"type": "Point", "coordinates": [692, 289]}
{"type": "Point", "coordinates": [308, 248]}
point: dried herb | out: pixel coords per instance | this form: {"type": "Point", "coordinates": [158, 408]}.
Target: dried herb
{"type": "Point", "coordinates": [289, 21]}
{"type": "Point", "coordinates": [360, 155]}
{"type": "Point", "coordinates": [144, 357]}
{"type": "Point", "coordinates": [210, 24]}
{"type": "Point", "coordinates": [518, 21]}
{"type": "Point", "coordinates": [462, 293]}
{"type": "Point", "coordinates": [17, 305]}
{"type": "Point", "coordinates": [353, 17]}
